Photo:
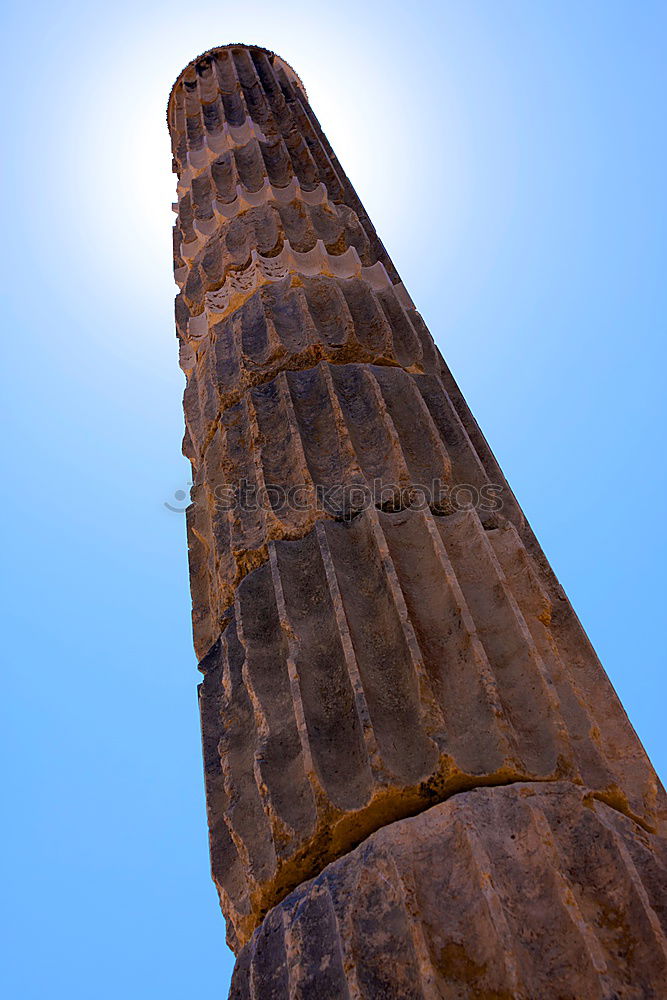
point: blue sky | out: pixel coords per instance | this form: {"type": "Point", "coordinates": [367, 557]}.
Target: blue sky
{"type": "Point", "coordinates": [512, 156]}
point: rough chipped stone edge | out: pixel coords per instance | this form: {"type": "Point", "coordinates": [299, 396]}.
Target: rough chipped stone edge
{"type": "Point", "coordinates": [273, 56]}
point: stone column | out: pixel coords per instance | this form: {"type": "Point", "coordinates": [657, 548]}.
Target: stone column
{"type": "Point", "coordinates": [419, 780]}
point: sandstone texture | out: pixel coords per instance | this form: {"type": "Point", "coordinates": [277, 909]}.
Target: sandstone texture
{"type": "Point", "coordinates": [419, 781]}
{"type": "Point", "coordinates": [375, 666]}
{"type": "Point", "coordinates": [529, 892]}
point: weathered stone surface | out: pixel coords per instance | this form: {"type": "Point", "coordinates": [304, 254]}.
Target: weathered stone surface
{"type": "Point", "coordinates": [364, 660]}
{"type": "Point", "coordinates": [372, 668]}
{"type": "Point", "coordinates": [266, 229]}
{"type": "Point", "coordinates": [287, 326]}
{"type": "Point", "coordinates": [244, 100]}
{"type": "Point", "coordinates": [310, 445]}
{"type": "Point", "coordinates": [523, 892]}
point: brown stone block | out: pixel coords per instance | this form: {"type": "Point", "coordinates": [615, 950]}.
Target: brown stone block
{"type": "Point", "coordinates": [266, 229]}
{"type": "Point", "coordinates": [245, 101]}
{"type": "Point", "coordinates": [517, 893]}
{"type": "Point", "coordinates": [312, 445]}
{"type": "Point", "coordinates": [294, 324]}
{"type": "Point", "coordinates": [235, 92]}
{"type": "Point", "coordinates": [376, 666]}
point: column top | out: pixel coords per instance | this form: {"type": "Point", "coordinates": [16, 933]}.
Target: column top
{"type": "Point", "coordinates": [292, 75]}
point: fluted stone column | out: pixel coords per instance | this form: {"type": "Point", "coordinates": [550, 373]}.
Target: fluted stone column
{"type": "Point", "coordinates": [419, 780]}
